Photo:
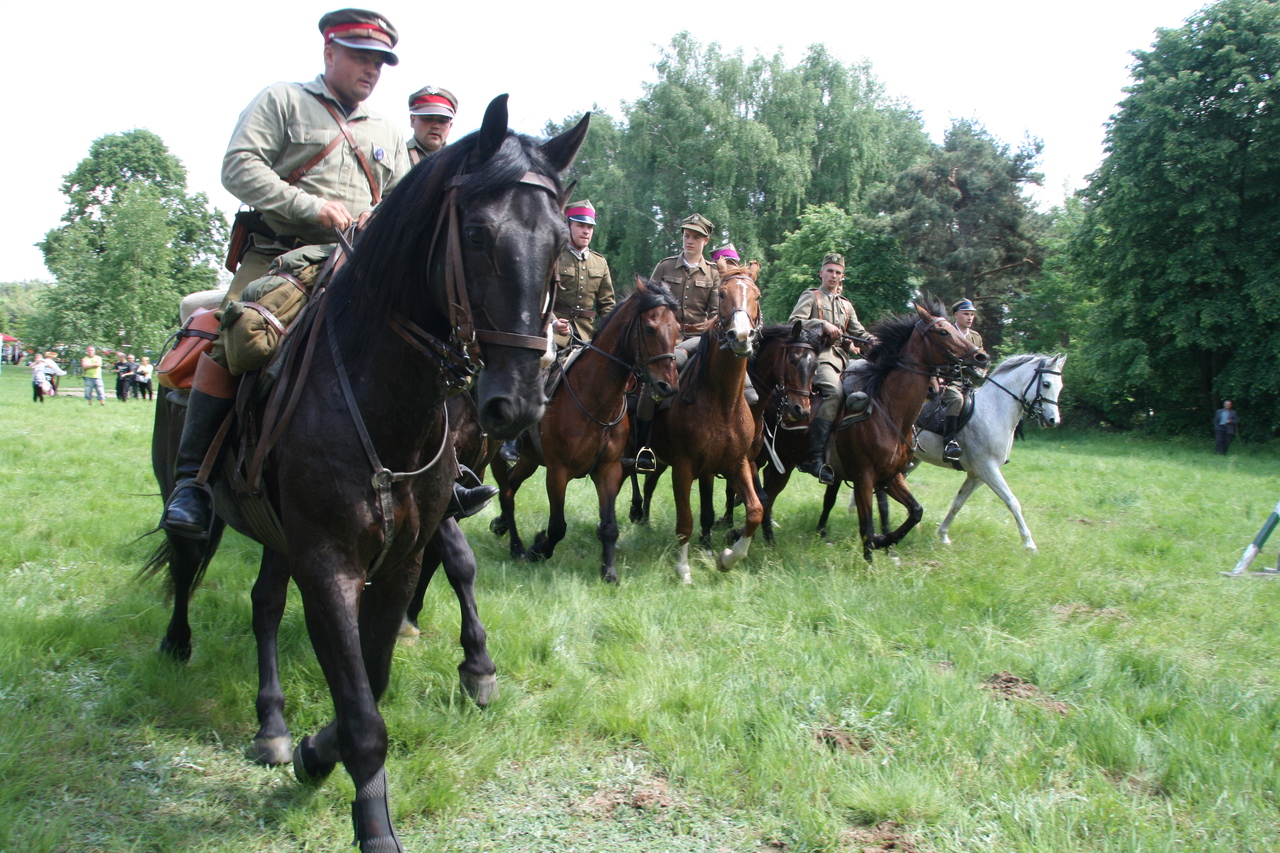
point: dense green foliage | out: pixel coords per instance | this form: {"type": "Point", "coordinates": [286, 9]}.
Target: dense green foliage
{"type": "Point", "coordinates": [1179, 252]}
{"type": "Point", "coordinates": [792, 704]}
{"type": "Point", "coordinates": [132, 244]}
{"type": "Point", "coordinates": [19, 305]}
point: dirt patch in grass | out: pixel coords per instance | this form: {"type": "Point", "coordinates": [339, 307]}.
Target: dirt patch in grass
{"type": "Point", "coordinates": [883, 836]}
{"type": "Point", "coordinates": [839, 740]}
{"type": "Point", "coordinates": [1006, 685]}
{"type": "Point", "coordinates": [642, 795]}
{"type": "Point", "coordinates": [1075, 610]}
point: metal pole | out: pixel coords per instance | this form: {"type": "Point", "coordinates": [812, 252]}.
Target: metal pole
{"type": "Point", "coordinates": [1255, 546]}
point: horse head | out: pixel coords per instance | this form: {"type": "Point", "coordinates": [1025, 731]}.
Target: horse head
{"type": "Point", "coordinates": [739, 322]}
{"type": "Point", "coordinates": [655, 331]}
{"type": "Point", "coordinates": [786, 362]}
{"type": "Point", "coordinates": [1047, 384]}
{"type": "Point", "coordinates": [947, 347]}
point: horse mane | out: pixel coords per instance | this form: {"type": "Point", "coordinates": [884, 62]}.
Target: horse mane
{"type": "Point", "coordinates": [656, 294]}
{"type": "Point", "coordinates": [386, 274]}
{"type": "Point", "coordinates": [893, 334]}
{"type": "Point", "coordinates": [1014, 361]}
{"type": "Point", "coordinates": [812, 337]}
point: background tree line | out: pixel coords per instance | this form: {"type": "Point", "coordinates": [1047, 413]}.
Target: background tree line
{"type": "Point", "coordinates": [1160, 278]}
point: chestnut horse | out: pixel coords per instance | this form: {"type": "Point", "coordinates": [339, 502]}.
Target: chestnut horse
{"type": "Point", "coordinates": [708, 428]}
{"type": "Point", "coordinates": [585, 427]}
{"type": "Point", "coordinates": [874, 453]}
{"type": "Point", "coordinates": [478, 226]}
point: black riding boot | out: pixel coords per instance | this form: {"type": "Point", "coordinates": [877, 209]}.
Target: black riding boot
{"type": "Point", "coordinates": [188, 512]}
{"type": "Point", "coordinates": [465, 501]}
{"type": "Point", "coordinates": [816, 462]}
{"type": "Point", "coordinates": [951, 449]}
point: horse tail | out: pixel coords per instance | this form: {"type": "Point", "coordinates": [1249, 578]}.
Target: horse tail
{"type": "Point", "coordinates": [192, 552]}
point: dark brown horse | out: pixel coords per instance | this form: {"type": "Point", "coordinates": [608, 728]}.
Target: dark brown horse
{"type": "Point", "coordinates": [585, 427]}
{"type": "Point", "coordinates": [874, 453]}
{"type": "Point", "coordinates": [708, 429]}
{"type": "Point", "coordinates": [479, 224]}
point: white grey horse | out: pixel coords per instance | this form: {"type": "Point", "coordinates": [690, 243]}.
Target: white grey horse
{"type": "Point", "coordinates": [1018, 387]}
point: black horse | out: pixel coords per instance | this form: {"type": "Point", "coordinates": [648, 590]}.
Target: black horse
{"type": "Point", "coordinates": [478, 224]}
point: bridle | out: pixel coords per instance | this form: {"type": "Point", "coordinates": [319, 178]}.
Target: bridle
{"type": "Point", "coordinates": [955, 363]}
{"type": "Point", "coordinates": [724, 323]}
{"type": "Point", "coordinates": [459, 357]}
{"type": "Point", "coordinates": [1036, 406]}
{"type": "Point", "coordinates": [780, 390]}
{"type": "Point", "coordinates": [637, 368]}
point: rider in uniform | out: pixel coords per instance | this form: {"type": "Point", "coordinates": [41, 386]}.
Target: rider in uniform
{"type": "Point", "coordinates": [431, 112]}
{"type": "Point", "coordinates": [963, 313]}
{"type": "Point", "coordinates": [824, 307]}
{"type": "Point", "coordinates": [585, 291]}
{"type": "Point", "coordinates": [282, 129]}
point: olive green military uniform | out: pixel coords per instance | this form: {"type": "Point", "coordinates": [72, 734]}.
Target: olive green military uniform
{"type": "Point", "coordinates": [813, 308]}
{"type": "Point", "coordinates": [283, 128]}
{"type": "Point", "coordinates": [953, 393]}
{"type": "Point", "coordinates": [696, 289]}
{"type": "Point", "coordinates": [585, 291]}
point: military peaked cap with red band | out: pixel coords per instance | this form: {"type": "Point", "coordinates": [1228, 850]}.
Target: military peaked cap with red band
{"type": "Point", "coordinates": [362, 30]}
{"type": "Point", "coordinates": [433, 101]}
{"type": "Point", "coordinates": [581, 211]}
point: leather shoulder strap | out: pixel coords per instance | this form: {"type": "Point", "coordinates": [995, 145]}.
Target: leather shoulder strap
{"type": "Point", "coordinates": [351, 140]}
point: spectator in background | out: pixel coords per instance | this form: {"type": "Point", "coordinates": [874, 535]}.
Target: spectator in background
{"type": "Point", "coordinates": [53, 370]}
{"type": "Point", "coordinates": [142, 379]}
{"type": "Point", "coordinates": [38, 382]}
{"type": "Point", "coordinates": [1224, 427]}
{"type": "Point", "coordinates": [124, 377]}
{"type": "Point", "coordinates": [91, 364]}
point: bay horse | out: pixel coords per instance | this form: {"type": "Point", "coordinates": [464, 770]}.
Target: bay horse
{"type": "Point", "coordinates": [709, 429]}
{"type": "Point", "coordinates": [1021, 386]}
{"type": "Point", "coordinates": [585, 427]}
{"type": "Point", "coordinates": [874, 453]}
{"type": "Point", "coordinates": [479, 224]}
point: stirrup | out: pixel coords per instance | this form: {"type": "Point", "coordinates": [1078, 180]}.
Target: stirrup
{"type": "Point", "coordinates": [951, 452]}
{"type": "Point", "coordinates": [646, 460]}
{"type": "Point", "coordinates": [826, 474]}
{"type": "Point", "coordinates": [188, 532]}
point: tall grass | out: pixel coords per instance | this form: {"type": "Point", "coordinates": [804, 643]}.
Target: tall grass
{"type": "Point", "coordinates": [792, 702]}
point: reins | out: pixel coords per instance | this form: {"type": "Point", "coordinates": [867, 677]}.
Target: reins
{"type": "Point", "coordinates": [1036, 406]}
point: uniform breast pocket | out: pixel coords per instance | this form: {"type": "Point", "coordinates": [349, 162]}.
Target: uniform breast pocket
{"type": "Point", "coordinates": [305, 142]}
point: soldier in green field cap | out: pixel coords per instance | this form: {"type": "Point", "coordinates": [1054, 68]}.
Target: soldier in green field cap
{"type": "Point", "coordinates": [291, 161]}
{"type": "Point", "coordinates": [692, 278]}
{"type": "Point", "coordinates": [824, 307]}
{"type": "Point", "coordinates": [431, 113]}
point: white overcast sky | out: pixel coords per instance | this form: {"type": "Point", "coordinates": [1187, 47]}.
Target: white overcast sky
{"type": "Point", "coordinates": [1051, 68]}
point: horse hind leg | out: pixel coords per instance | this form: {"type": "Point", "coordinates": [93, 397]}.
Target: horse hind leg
{"type": "Point", "coordinates": [898, 490]}
{"type": "Point", "coordinates": [828, 501]}
{"type": "Point", "coordinates": [272, 745]}
{"type": "Point", "coordinates": [544, 544]}
{"type": "Point", "coordinates": [970, 483]}
{"type": "Point", "coordinates": [996, 481]}
{"type": "Point", "coordinates": [707, 509]}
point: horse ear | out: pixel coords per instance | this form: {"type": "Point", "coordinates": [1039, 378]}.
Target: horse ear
{"type": "Point", "coordinates": [561, 150]}
{"type": "Point", "coordinates": [796, 328]}
{"type": "Point", "coordinates": [753, 269]}
{"type": "Point", "coordinates": [493, 130]}
{"type": "Point", "coordinates": [642, 286]}
{"type": "Point", "coordinates": [722, 265]}
{"type": "Point", "coordinates": [922, 313]}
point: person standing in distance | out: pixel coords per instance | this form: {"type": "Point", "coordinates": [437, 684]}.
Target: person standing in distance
{"type": "Point", "coordinates": [1225, 421]}
{"type": "Point", "coordinates": [431, 113]}
{"type": "Point", "coordinates": [290, 160]}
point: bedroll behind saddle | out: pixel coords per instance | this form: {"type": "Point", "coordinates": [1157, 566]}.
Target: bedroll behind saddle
{"type": "Point", "coordinates": [254, 325]}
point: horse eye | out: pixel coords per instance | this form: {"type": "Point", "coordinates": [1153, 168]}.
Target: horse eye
{"type": "Point", "coordinates": [650, 330]}
{"type": "Point", "coordinates": [475, 235]}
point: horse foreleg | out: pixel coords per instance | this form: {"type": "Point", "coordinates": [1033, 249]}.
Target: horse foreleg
{"type": "Point", "coordinates": [882, 506]}
{"type": "Point", "coordinates": [900, 492]}
{"type": "Point", "coordinates": [829, 501]}
{"type": "Point", "coordinates": [863, 495]}
{"type": "Point", "coordinates": [608, 480]}
{"type": "Point", "coordinates": [636, 514]}
{"type": "Point", "coordinates": [515, 477]}
{"type": "Point", "coordinates": [775, 480]}
{"type": "Point", "coordinates": [650, 483]}
{"type": "Point", "coordinates": [707, 509]}
{"type": "Point", "coordinates": [430, 562]}
{"type": "Point", "coordinates": [741, 479]}
{"type": "Point", "coordinates": [726, 520]}
{"type": "Point", "coordinates": [970, 483]}
{"type": "Point", "coordinates": [544, 544]}
{"type": "Point", "coordinates": [476, 673]}
{"type": "Point", "coordinates": [506, 497]}
{"type": "Point", "coordinates": [272, 745]}
{"type": "Point", "coordinates": [681, 484]}
{"type": "Point", "coordinates": [992, 476]}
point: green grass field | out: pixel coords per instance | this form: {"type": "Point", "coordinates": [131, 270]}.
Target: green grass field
{"type": "Point", "coordinates": [803, 702]}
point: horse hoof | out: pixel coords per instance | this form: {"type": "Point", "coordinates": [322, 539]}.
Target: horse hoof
{"type": "Point", "coordinates": [482, 689]}
{"type": "Point", "coordinates": [704, 542]}
{"type": "Point", "coordinates": [408, 630]}
{"type": "Point", "coordinates": [685, 576]}
{"type": "Point", "coordinates": [733, 535]}
{"type": "Point", "coordinates": [517, 552]}
{"type": "Point", "coordinates": [722, 523]}
{"type": "Point", "coordinates": [498, 526]}
{"type": "Point", "coordinates": [722, 560]}
{"type": "Point", "coordinates": [637, 516]}
{"type": "Point", "coordinates": [609, 574]}
{"type": "Point", "coordinates": [180, 652]}
{"type": "Point", "coordinates": [271, 751]}
{"type": "Point", "coordinates": [307, 766]}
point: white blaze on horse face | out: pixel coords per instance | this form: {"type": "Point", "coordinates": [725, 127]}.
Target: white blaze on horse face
{"type": "Point", "coordinates": [740, 324]}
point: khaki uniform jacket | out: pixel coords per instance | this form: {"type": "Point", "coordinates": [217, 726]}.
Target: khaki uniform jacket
{"type": "Point", "coordinates": [415, 151]}
{"type": "Point", "coordinates": [813, 307]}
{"type": "Point", "coordinates": [697, 290]}
{"type": "Point", "coordinates": [585, 291]}
{"type": "Point", "coordinates": [283, 128]}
